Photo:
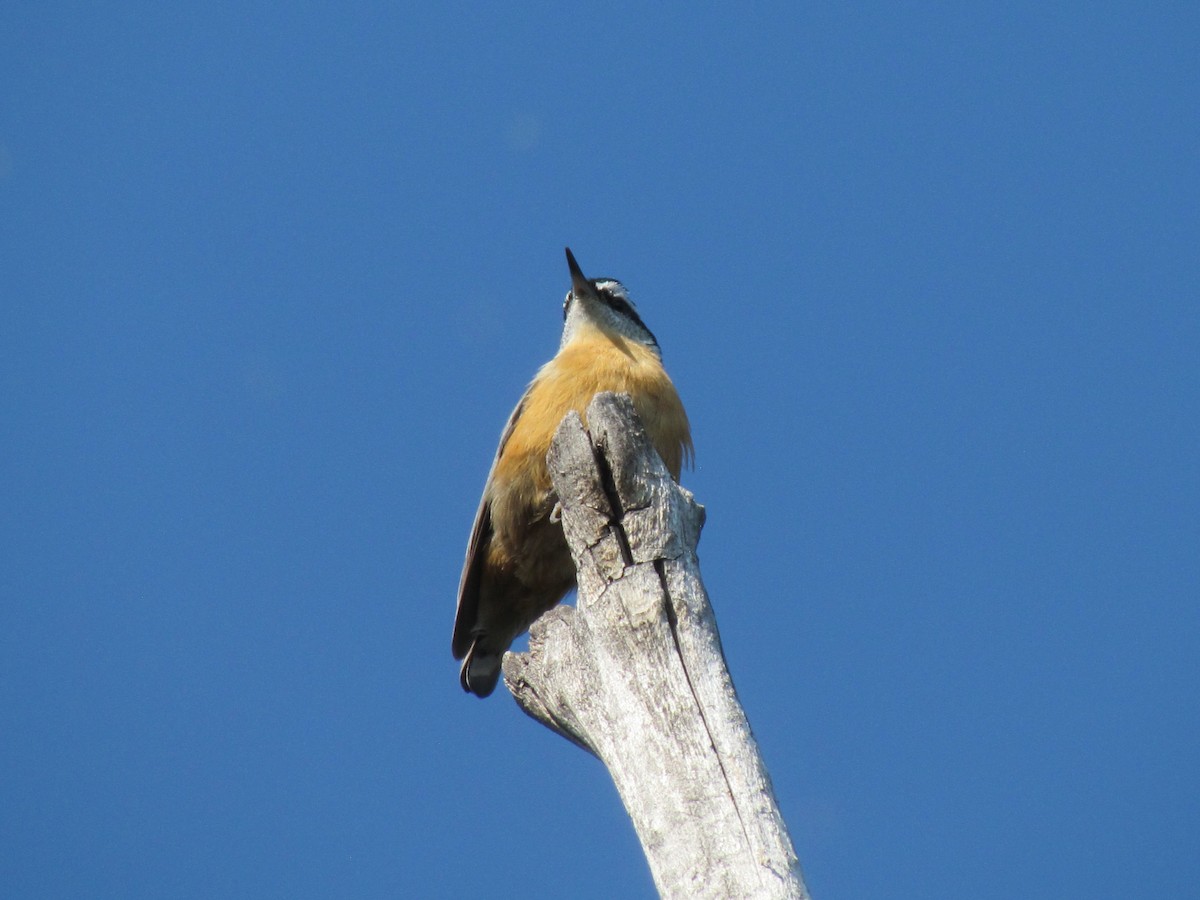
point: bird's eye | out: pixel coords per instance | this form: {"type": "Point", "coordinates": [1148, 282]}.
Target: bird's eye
{"type": "Point", "coordinates": [566, 305]}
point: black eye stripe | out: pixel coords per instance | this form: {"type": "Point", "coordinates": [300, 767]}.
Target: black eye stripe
{"type": "Point", "coordinates": [620, 304]}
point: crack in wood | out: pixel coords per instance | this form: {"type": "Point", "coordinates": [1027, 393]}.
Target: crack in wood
{"type": "Point", "coordinates": [673, 624]}
{"type": "Point", "coordinates": [679, 749]}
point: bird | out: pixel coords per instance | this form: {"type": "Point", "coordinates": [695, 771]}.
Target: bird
{"type": "Point", "coordinates": [518, 564]}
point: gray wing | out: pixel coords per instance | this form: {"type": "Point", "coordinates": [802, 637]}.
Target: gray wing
{"type": "Point", "coordinates": [481, 537]}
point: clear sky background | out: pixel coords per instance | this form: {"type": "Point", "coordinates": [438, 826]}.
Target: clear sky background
{"type": "Point", "coordinates": [272, 277]}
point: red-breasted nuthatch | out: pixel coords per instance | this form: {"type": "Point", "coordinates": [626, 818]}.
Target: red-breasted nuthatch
{"type": "Point", "coordinates": [518, 564]}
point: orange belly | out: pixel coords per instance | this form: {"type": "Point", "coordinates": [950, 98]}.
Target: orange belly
{"type": "Point", "coordinates": [520, 492]}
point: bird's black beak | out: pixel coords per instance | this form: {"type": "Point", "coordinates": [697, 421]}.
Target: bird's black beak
{"type": "Point", "coordinates": [579, 284]}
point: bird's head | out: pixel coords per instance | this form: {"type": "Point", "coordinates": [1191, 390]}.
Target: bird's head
{"type": "Point", "coordinates": [601, 303]}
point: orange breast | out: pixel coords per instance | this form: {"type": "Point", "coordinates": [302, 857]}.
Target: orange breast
{"type": "Point", "coordinates": [591, 362]}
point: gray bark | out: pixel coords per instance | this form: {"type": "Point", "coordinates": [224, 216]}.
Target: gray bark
{"type": "Point", "coordinates": [635, 674]}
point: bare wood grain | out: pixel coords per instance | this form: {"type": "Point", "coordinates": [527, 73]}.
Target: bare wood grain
{"type": "Point", "coordinates": [636, 675]}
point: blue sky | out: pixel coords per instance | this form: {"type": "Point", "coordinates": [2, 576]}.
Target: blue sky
{"type": "Point", "coordinates": [273, 277]}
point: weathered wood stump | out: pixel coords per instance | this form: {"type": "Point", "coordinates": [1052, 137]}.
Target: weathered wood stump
{"type": "Point", "coordinates": [635, 674]}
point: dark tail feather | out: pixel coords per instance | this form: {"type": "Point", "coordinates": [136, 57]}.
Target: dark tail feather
{"type": "Point", "coordinates": [480, 671]}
